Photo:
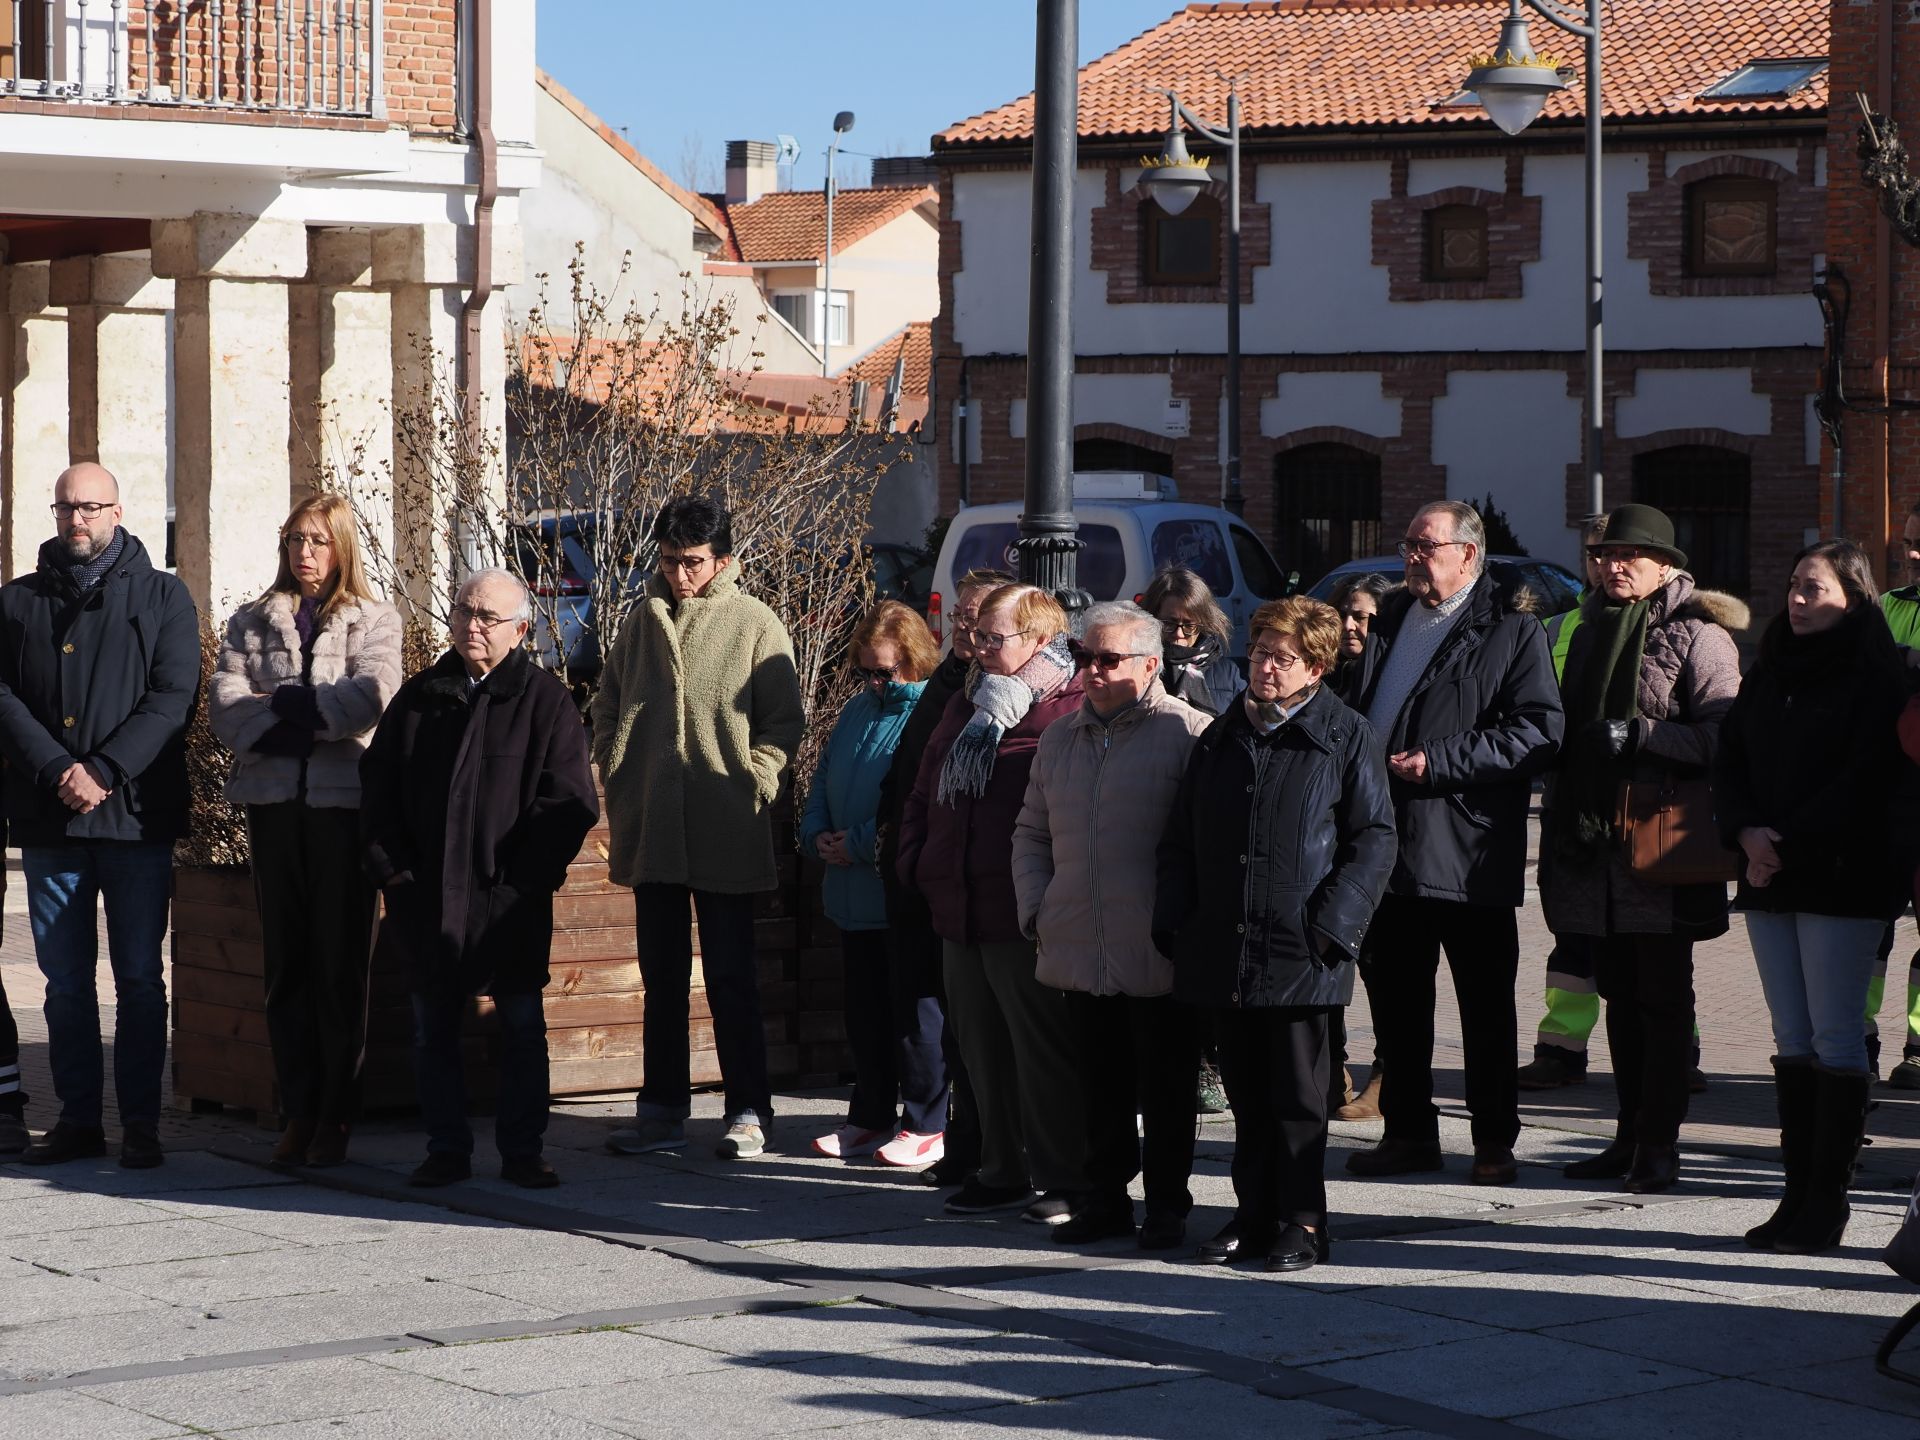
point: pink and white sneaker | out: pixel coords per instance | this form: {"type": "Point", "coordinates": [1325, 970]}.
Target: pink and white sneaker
{"type": "Point", "coordinates": [911, 1151]}
{"type": "Point", "coordinates": [850, 1142]}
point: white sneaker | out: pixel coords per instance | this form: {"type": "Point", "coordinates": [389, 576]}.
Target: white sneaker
{"type": "Point", "coordinates": [850, 1142]}
{"type": "Point", "coordinates": [911, 1151]}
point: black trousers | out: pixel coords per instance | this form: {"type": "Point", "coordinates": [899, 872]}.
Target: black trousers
{"type": "Point", "coordinates": [316, 929]}
{"type": "Point", "coordinates": [1482, 944]}
{"type": "Point", "coordinates": [13, 1100]}
{"type": "Point", "coordinates": [919, 968]}
{"type": "Point", "coordinates": [664, 937]}
{"type": "Point", "coordinates": [1647, 982]}
{"type": "Point", "coordinates": [1137, 1056]}
{"type": "Point", "coordinates": [1274, 1060]}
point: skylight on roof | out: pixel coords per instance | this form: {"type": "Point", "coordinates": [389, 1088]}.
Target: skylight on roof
{"type": "Point", "coordinates": [1767, 80]}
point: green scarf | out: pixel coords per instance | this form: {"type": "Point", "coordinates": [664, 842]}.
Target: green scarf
{"type": "Point", "coordinates": [1604, 686]}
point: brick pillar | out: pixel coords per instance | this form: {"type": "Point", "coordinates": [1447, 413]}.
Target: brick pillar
{"type": "Point", "coordinates": [33, 428]}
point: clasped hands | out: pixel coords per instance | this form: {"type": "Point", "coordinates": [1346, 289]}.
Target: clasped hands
{"type": "Point", "coordinates": [1763, 858]}
{"type": "Point", "coordinates": [832, 848]}
{"type": "Point", "coordinates": [79, 791]}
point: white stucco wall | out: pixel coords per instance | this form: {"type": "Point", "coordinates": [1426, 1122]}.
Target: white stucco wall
{"type": "Point", "coordinates": [1513, 433]}
{"type": "Point", "coordinates": [1693, 399]}
{"type": "Point", "coordinates": [1349, 398]}
{"type": "Point", "coordinates": [1322, 294]}
{"type": "Point", "coordinates": [1137, 400]}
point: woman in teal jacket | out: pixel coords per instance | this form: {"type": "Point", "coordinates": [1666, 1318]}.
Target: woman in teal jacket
{"type": "Point", "coordinates": [895, 1038]}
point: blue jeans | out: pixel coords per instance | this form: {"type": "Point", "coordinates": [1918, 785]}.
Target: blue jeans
{"type": "Point", "coordinates": [520, 1114]}
{"type": "Point", "coordinates": [1815, 970]}
{"type": "Point", "coordinates": [64, 885]}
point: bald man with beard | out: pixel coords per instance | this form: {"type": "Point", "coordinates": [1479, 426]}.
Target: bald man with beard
{"type": "Point", "coordinates": [99, 670]}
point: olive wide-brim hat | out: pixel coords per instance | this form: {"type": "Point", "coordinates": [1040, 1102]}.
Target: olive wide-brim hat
{"type": "Point", "coordinates": [1646, 527]}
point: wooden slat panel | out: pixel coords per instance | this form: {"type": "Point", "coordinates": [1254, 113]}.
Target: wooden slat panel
{"type": "Point", "coordinates": [208, 952]}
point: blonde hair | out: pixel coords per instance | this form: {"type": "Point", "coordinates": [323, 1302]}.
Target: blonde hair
{"type": "Point", "coordinates": [1313, 627]}
{"type": "Point", "coordinates": [900, 624]}
{"type": "Point", "coordinates": [1033, 610]}
{"type": "Point", "coordinates": [349, 582]}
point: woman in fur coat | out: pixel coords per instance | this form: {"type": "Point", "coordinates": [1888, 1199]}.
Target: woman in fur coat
{"type": "Point", "coordinates": [303, 676]}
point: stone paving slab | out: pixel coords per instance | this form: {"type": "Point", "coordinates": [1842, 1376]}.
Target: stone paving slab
{"type": "Point", "coordinates": [557, 1362]}
{"type": "Point", "coordinates": [1719, 1410]}
{"type": "Point", "coordinates": [66, 1415]}
{"type": "Point", "coordinates": [163, 1240]}
{"type": "Point", "coordinates": [271, 1395]}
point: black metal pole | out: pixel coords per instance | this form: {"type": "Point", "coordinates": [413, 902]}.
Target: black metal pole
{"type": "Point", "coordinates": [1236, 502]}
{"type": "Point", "coordinates": [1049, 540]}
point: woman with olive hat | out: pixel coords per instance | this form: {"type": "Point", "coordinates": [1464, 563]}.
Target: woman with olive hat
{"type": "Point", "coordinates": [1649, 676]}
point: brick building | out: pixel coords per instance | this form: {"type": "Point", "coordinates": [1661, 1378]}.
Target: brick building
{"type": "Point", "coordinates": [1412, 278]}
{"type": "Point", "coordinates": [235, 239]}
{"type": "Point", "coordinates": [1876, 52]}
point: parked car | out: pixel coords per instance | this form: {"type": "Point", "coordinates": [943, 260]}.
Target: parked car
{"type": "Point", "coordinates": [562, 596]}
{"type": "Point", "coordinates": [1557, 587]}
{"type": "Point", "coordinates": [1129, 528]}
{"type": "Point", "coordinates": [901, 572]}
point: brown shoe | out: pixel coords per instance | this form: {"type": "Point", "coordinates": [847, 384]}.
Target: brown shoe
{"type": "Point", "coordinates": [329, 1147]}
{"type": "Point", "coordinates": [1493, 1165]}
{"type": "Point", "coordinates": [294, 1140]}
{"type": "Point", "coordinates": [1365, 1105]}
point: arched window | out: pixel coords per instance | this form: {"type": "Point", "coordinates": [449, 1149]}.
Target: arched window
{"type": "Point", "coordinates": [1706, 490]}
{"type": "Point", "coordinates": [1732, 226]}
{"type": "Point", "coordinates": [1123, 455]}
{"type": "Point", "coordinates": [1456, 243]}
{"type": "Point", "coordinates": [1181, 249]}
{"type": "Point", "coordinates": [1326, 507]}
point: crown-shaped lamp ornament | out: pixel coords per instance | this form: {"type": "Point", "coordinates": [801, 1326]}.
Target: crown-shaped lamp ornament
{"type": "Point", "coordinates": [1174, 177]}
{"type": "Point", "coordinates": [1515, 82]}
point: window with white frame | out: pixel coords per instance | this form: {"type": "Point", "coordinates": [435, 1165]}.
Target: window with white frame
{"type": "Point", "coordinates": [793, 307]}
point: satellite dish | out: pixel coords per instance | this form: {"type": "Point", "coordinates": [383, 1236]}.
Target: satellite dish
{"type": "Point", "coordinates": [789, 149]}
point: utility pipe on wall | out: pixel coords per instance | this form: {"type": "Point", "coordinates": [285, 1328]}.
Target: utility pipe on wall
{"type": "Point", "coordinates": [473, 400]}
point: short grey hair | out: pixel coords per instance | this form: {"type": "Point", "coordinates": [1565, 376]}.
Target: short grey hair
{"type": "Point", "coordinates": [1467, 526]}
{"type": "Point", "coordinates": [1142, 629]}
{"type": "Point", "coordinates": [522, 611]}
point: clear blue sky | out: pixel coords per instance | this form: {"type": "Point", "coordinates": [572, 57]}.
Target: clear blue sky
{"type": "Point", "coordinates": [681, 75]}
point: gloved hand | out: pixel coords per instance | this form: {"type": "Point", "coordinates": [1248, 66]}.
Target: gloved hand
{"type": "Point", "coordinates": [1609, 739]}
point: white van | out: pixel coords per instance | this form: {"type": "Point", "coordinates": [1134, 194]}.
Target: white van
{"type": "Point", "coordinates": [1130, 526]}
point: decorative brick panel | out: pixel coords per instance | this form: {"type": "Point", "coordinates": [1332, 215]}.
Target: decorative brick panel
{"type": "Point", "coordinates": [1118, 240]}
{"type": "Point", "coordinates": [1400, 237]}
{"type": "Point", "coordinates": [1657, 224]}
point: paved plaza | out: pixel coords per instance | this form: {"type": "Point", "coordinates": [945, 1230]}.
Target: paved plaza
{"type": "Point", "coordinates": [671, 1296]}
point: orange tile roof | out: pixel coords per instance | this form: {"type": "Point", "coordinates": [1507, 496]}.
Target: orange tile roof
{"type": "Point", "coordinates": [792, 224]}
{"type": "Point", "coordinates": [1315, 65]}
{"type": "Point", "coordinates": [702, 209]}
{"type": "Point", "coordinates": [914, 343]}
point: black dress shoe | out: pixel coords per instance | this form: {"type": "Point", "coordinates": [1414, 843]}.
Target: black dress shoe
{"type": "Point", "coordinates": [1095, 1223]}
{"type": "Point", "coordinates": [14, 1136]}
{"type": "Point", "coordinates": [1655, 1168]}
{"type": "Point", "coordinates": [1493, 1165]}
{"type": "Point", "coordinates": [1234, 1241]}
{"type": "Point", "coordinates": [140, 1148]}
{"type": "Point", "coordinates": [67, 1142]}
{"type": "Point", "coordinates": [1163, 1232]}
{"type": "Point", "coordinates": [441, 1168]}
{"type": "Point", "coordinates": [1299, 1248]}
{"type": "Point", "coordinates": [1610, 1164]}
{"type": "Point", "coordinates": [1397, 1157]}
{"type": "Point", "coordinates": [531, 1172]}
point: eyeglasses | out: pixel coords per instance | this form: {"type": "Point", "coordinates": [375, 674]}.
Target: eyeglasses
{"type": "Point", "coordinates": [875, 674]}
{"type": "Point", "coordinates": [1179, 628]}
{"type": "Point", "coordinates": [1425, 548]}
{"type": "Point", "coordinates": [989, 641]}
{"type": "Point", "coordinates": [1608, 555]}
{"type": "Point", "coordinates": [482, 620]}
{"type": "Point", "coordinates": [298, 541]}
{"type": "Point", "coordinates": [88, 508]}
{"type": "Point", "coordinates": [1108, 659]}
{"type": "Point", "coordinates": [1278, 659]}
{"type": "Point", "coordinates": [692, 564]}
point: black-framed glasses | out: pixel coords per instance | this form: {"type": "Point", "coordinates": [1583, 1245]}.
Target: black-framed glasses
{"type": "Point", "coordinates": [1108, 659]}
{"type": "Point", "coordinates": [1425, 548]}
{"type": "Point", "coordinates": [1260, 655]}
{"type": "Point", "coordinates": [692, 564]}
{"type": "Point", "coordinates": [87, 508]}
{"type": "Point", "coordinates": [481, 619]}
{"type": "Point", "coordinates": [875, 674]}
{"type": "Point", "coordinates": [989, 641]}
{"type": "Point", "coordinates": [1180, 628]}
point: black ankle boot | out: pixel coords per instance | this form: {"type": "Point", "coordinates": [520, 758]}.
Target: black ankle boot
{"type": "Point", "coordinates": [1839, 1127]}
{"type": "Point", "coordinates": [1793, 1091]}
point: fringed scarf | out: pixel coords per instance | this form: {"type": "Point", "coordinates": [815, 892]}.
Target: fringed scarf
{"type": "Point", "coordinates": [1000, 702]}
{"type": "Point", "coordinates": [1605, 686]}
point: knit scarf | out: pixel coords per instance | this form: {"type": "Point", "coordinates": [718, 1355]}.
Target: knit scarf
{"type": "Point", "coordinates": [1000, 702]}
{"type": "Point", "coordinates": [1268, 714]}
{"type": "Point", "coordinates": [1605, 686]}
{"type": "Point", "coordinates": [89, 573]}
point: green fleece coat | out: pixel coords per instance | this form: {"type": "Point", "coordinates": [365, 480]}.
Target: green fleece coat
{"type": "Point", "coordinates": [697, 716]}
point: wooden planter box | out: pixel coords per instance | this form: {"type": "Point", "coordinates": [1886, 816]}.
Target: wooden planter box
{"type": "Point", "coordinates": [594, 1005]}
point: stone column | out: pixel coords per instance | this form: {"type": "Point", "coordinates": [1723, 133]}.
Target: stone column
{"type": "Point", "coordinates": [119, 331]}
{"type": "Point", "coordinates": [33, 430]}
{"type": "Point", "coordinates": [233, 480]}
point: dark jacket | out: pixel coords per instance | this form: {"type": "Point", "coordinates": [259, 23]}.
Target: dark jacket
{"type": "Point", "coordinates": [959, 855]}
{"type": "Point", "coordinates": [1487, 713]}
{"type": "Point", "coordinates": [108, 675]}
{"type": "Point", "coordinates": [1353, 675]}
{"type": "Point", "coordinates": [1809, 748]}
{"type": "Point", "coordinates": [1211, 683]}
{"type": "Point", "coordinates": [904, 904]}
{"type": "Point", "coordinates": [484, 802]}
{"type": "Point", "coordinates": [1274, 859]}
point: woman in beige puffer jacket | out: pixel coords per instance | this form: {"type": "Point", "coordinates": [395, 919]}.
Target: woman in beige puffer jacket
{"type": "Point", "coordinates": [1084, 855]}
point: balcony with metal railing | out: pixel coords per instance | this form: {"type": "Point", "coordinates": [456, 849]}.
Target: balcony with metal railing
{"type": "Point", "coordinates": [295, 58]}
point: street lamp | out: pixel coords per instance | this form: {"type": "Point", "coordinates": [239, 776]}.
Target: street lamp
{"type": "Point", "coordinates": [1514, 83]}
{"type": "Point", "coordinates": [842, 123]}
{"type": "Point", "coordinates": [1173, 179]}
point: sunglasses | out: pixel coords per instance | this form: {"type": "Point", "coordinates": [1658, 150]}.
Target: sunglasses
{"type": "Point", "coordinates": [1105, 659]}
{"type": "Point", "coordinates": [878, 674]}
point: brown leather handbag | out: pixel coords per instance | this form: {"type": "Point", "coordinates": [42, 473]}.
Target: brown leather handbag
{"type": "Point", "coordinates": [1667, 832]}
